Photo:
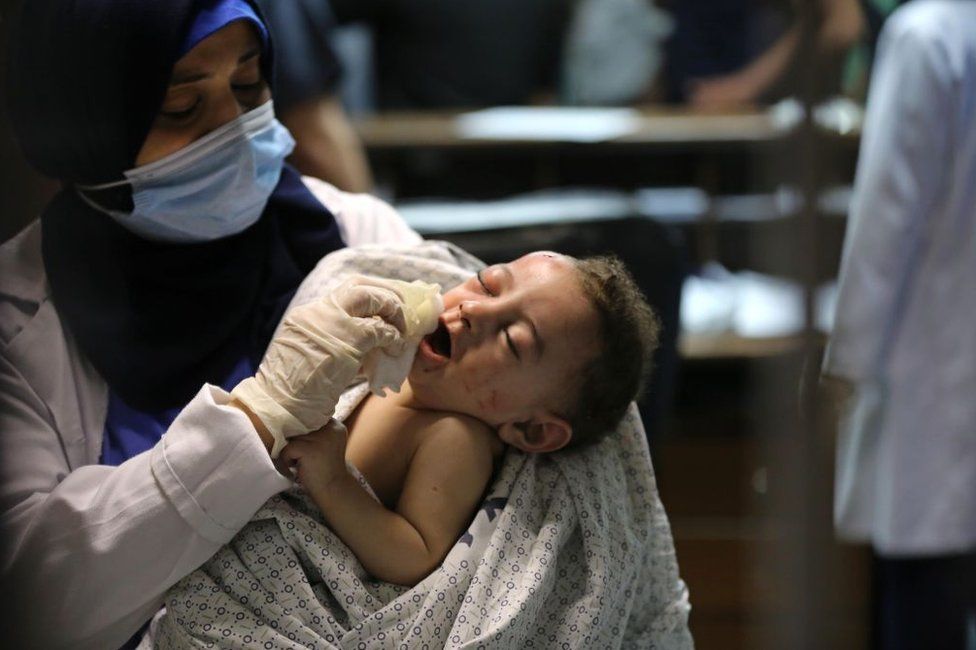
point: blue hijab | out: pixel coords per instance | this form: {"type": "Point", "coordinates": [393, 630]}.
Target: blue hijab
{"type": "Point", "coordinates": [157, 320]}
{"type": "Point", "coordinates": [217, 14]}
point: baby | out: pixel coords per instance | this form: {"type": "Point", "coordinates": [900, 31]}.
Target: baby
{"type": "Point", "coordinates": [542, 353]}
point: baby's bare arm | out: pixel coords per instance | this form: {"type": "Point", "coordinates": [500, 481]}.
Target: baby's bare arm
{"type": "Point", "coordinates": [445, 481]}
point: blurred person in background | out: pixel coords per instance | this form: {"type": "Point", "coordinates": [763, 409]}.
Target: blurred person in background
{"type": "Point", "coordinates": [735, 52]}
{"type": "Point", "coordinates": [460, 53]}
{"type": "Point", "coordinates": [307, 75]}
{"type": "Point", "coordinates": [472, 54]}
{"type": "Point", "coordinates": [419, 55]}
{"type": "Point", "coordinates": [901, 363]}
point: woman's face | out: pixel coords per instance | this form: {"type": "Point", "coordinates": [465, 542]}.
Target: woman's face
{"type": "Point", "coordinates": [217, 81]}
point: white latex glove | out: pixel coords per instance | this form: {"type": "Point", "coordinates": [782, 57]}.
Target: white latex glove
{"type": "Point", "coordinates": [317, 352]}
{"type": "Point", "coordinates": [386, 368]}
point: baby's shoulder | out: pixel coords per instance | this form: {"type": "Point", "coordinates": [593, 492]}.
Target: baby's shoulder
{"type": "Point", "coordinates": [454, 433]}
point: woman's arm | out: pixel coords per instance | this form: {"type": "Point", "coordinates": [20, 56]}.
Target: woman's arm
{"type": "Point", "coordinates": [746, 85]}
{"type": "Point", "coordinates": [90, 550]}
{"type": "Point", "coordinates": [445, 481]}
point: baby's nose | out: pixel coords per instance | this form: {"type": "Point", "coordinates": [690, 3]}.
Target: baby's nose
{"type": "Point", "coordinates": [477, 314]}
{"type": "Point", "coordinates": [466, 310]}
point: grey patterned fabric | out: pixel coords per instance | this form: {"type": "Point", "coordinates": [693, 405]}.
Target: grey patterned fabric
{"type": "Point", "coordinates": [568, 550]}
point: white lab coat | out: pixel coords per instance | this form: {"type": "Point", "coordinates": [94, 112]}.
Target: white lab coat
{"type": "Point", "coordinates": [905, 330]}
{"type": "Point", "coordinates": [89, 550]}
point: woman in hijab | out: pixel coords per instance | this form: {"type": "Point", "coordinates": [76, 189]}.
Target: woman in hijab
{"type": "Point", "coordinates": [149, 287]}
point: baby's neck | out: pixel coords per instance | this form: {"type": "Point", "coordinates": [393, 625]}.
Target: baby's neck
{"type": "Point", "coordinates": [408, 399]}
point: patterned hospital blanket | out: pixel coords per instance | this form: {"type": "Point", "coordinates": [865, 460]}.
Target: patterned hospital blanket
{"type": "Point", "coordinates": [568, 550]}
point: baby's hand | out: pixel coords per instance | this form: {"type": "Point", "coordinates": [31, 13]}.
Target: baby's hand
{"type": "Point", "coordinates": [318, 457]}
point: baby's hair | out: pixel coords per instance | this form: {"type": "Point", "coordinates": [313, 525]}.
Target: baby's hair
{"type": "Point", "coordinates": [628, 336]}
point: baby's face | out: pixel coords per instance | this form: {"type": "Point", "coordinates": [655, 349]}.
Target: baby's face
{"type": "Point", "coordinates": [511, 341]}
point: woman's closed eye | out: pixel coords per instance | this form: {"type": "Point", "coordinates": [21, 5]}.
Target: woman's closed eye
{"type": "Point", "coordinates": [180, 105]}
{"type": "Point", "coordinates": [249, 87]}
{"type": "Point", "coordinates": [249, 83]}
{"type": "Point", "coordinates": [250, 94]}
{"type": "Point", "coordinates": [180, 115]}
{"type": "Point", "coordinates": [183, 104]}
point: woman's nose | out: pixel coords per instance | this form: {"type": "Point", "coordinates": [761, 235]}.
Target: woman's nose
{"type": "Point", "coordinates": [226, 109]}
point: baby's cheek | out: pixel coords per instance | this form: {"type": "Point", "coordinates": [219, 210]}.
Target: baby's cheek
{"type": "Point", "coordinates": [492, 401]}
{"type": "Point", "coordinates": [485, 387]}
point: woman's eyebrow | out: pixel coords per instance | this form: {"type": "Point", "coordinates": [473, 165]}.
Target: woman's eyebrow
{"type": "Point", "coordinates": [181, 78]}
{"type": "Point", "coordinates": [250, 54]}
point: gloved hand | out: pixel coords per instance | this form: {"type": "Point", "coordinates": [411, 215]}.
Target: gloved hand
{"type": "Point", "coordinates": [422, 305]}
{"type": "Point", "coordinates": [316, 353]}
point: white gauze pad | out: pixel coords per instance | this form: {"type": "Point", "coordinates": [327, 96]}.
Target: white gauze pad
{"type": "Point", "coordinates": [422, 305]}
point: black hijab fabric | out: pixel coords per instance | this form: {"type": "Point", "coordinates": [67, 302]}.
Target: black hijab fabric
{"type": "Point", "coordinates": [157, 320]}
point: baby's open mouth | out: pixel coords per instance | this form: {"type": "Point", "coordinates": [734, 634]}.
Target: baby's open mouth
{"type": "Point", "coordinates": [440, 340]}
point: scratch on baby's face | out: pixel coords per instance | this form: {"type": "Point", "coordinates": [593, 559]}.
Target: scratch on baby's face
{"type": "Point", "coordinates": [490, 403]}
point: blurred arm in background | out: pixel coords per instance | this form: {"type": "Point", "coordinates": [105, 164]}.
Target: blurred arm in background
{"type": "Point", "coordinates": [841, 24]}
{"type": "Point", "coordinates": [307, 74]}
{"type": "Point", "coordinates": [327, 145]}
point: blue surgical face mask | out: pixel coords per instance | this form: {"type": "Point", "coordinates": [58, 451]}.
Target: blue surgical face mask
{"type": "Point", "coordinates": [214, 187]}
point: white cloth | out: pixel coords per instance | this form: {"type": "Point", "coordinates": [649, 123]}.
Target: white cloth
{"type": "Point", "coordinates": [904, 332]}
{"type": "Point", "coordinates": [422, 305]}
{"type": "Point", "coordinates": [89, 550]}
{"type": "Point", "coordinates": [571, 549]}
{"type": "Point", "coordinates": [362, 218]}
{"type": "Point", "coordinates": [751, 305]}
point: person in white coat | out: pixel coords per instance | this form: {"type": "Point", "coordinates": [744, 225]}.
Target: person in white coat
{"type": "Point", "coordinates": [903, 352]}
{"type": "Point", "coordinates": [149, 287]}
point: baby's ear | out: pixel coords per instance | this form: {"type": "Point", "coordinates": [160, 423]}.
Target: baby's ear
{"type": "Point", "coordinates": [545, 432]}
